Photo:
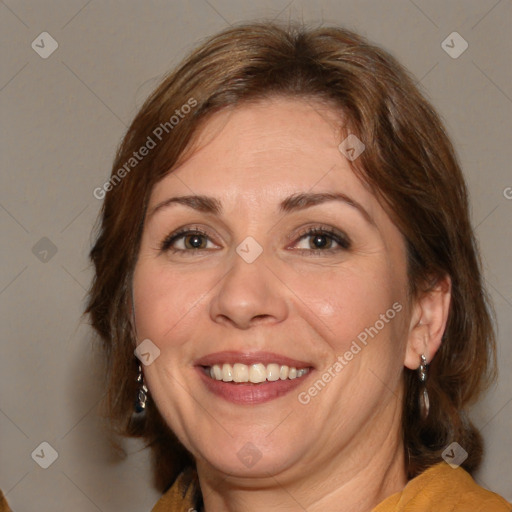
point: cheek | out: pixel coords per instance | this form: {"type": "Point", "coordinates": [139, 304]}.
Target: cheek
{"type": "Point", "coordinates": [167, 302]}
{"type": "Point", "coordinates": [345, 302]}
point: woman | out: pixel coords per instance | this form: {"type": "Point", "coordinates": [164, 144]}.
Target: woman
{"type": "Point", "coordinates": [287, 284]}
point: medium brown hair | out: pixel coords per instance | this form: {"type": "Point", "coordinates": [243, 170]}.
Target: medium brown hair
{"type": "Point", "coordinates": [408, 162]}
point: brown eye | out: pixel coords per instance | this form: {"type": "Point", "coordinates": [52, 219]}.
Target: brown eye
{"type": "Point", "coordinates": [323, 240]}
{"type": "Point", "coordinates": [187, 241]}
{"type": "Point", "coordinates": [195, 241]}
{"type": "Point", "coordinates": [320, 242]}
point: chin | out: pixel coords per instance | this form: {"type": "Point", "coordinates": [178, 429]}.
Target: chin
{"type": "Point", "coordinates": [252, 455]}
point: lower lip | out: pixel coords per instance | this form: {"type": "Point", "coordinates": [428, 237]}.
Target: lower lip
{"type": "Point", "coordinates": [251, 394]}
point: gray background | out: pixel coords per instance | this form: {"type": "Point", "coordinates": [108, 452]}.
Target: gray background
{"type": "Point", "coordinates": [62, 118]}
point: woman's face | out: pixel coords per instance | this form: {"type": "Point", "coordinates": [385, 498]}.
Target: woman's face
{"type": "Point", "coordinates": [261, 253]}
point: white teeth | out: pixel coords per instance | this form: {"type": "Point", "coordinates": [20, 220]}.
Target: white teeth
{"type": "Point", "coordinates": [240, 372]}
{"type": "Point", "coordinates": [254, 373]}
{"type": "Point", "coordinates": [257, 373]}
{"type": "Point", "coordinates": [272, 372]}
{"type": "Point", "coordinates": [227, 372]}
{"type": "Point", "coordinates": [217, 372]}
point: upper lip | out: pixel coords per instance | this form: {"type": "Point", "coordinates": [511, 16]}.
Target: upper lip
{"type": "Point", "coordinates": [248, 358]}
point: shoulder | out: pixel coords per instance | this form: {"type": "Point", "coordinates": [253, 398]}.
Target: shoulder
{"type": "Point", "coordinates": [183, 495]}
{"type": "Point", "coordinates": [471, 496]}
{"type": "Point", "coordinates": [442, 488]}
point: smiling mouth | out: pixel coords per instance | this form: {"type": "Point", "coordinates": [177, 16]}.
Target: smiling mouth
{"type": "Point", "coordinates": [258, 373]}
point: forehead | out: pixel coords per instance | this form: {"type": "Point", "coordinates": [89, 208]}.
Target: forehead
{"type": "Point", "coordinates": [265, 150]}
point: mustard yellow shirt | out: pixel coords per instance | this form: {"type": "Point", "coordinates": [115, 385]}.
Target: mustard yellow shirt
{"type": "Point", "coordinates": [438, 489]}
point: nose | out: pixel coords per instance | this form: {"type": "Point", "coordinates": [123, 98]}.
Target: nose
{"type": "Point", "coordinates": [249, 294]}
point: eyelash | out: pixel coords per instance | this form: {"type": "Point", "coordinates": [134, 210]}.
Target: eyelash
{"type": "Point", "coordinates": [169, 240]}
{"type": "Point", "coordinates": [336, 236]}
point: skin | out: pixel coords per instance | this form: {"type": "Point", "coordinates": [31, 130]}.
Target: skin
{"type": "Point", "coordinates": [344, 446]}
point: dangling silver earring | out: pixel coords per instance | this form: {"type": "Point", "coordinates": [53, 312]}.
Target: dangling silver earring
{"type": "Point", "coordinates": [142, 392]}
{"type": "Point", "coordinates": [424, 402]}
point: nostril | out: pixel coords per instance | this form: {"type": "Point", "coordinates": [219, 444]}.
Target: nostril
{"type": "Point", "coordinates": [260, 318]}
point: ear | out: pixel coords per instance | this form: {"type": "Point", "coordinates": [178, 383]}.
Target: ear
{"type": "Point", "coordinates": [428, 322]}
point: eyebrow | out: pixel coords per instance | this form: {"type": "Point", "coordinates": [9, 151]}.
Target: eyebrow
{"type": "Point", "coordinates": [303, 201]}
{"type": "Point", "coordinates": [292, 203]}
{"type": "Point", "coordinates": [200, 203]}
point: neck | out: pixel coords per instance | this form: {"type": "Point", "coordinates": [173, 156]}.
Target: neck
{"type": "Point", "coordinates": [356, 479]}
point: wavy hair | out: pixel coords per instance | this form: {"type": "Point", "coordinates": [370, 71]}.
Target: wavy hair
{"type": "Point", "coordinates": [409, 163]}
